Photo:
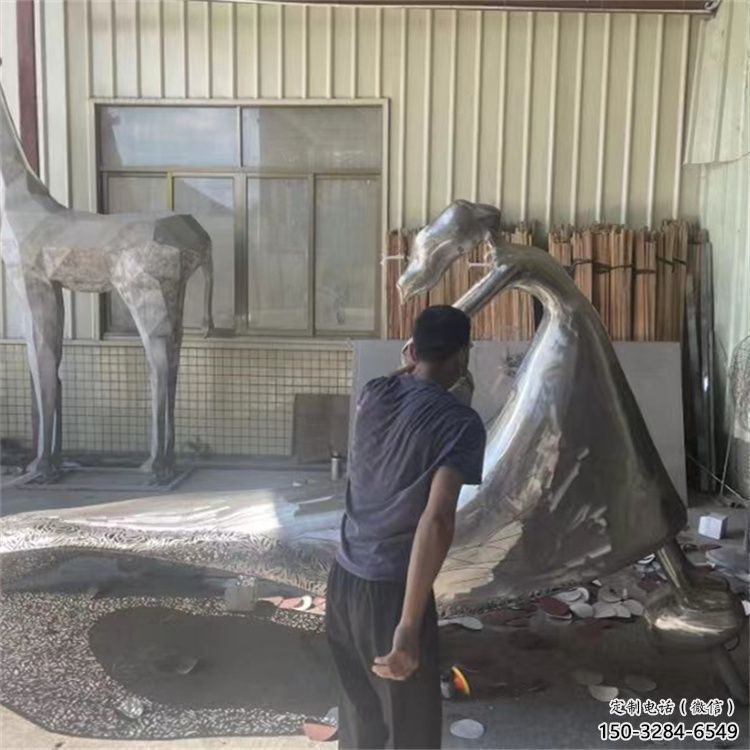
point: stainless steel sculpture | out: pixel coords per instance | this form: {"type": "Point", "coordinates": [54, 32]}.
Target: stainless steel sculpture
{"type": "Point", "coordinates": [147, 258]}
{"type": "Point", "coordinates": [574, 487]}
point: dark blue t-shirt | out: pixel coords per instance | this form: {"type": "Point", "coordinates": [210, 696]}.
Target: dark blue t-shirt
{"type": "Point", "coordinates": [404, 430]}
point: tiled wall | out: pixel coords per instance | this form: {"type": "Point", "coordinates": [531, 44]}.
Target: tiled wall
{"type": "Point", "coordinates": [232, 400]}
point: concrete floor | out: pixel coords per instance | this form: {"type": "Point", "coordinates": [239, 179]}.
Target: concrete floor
{"type": "Point", "coordinates": [539, 706]}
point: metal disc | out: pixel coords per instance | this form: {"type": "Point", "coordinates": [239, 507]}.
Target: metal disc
{"type": "Point", "coordinates": [610, 595]}
{"type": "Point", "coordinates": [604, 693]}
{"type": "Point", "coordinates": [470, 623]}
{"type": "Point", "coordinates": [572, 595]}
{"type": "Point", "coordinates": [582, 609]}
{"type": "Point", "coordinates": [602, 609]}
{"type": "Point", "coordinates": [634, 606]}
{"type": "Point", "coordinates": [622, 611]}
{"type": "Point", "coordinates": [467, 729]}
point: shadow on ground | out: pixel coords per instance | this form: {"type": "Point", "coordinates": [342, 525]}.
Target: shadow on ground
{"type": "Point", "coordinates": [240, 661]}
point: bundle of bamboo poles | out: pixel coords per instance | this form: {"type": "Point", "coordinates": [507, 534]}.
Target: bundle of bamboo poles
{"type": "Point", "coordinates": [574, 249]}
{"type": "Point", "coordinates": [644, 287]}
{"type": "Point", "coordinates": [635, 279]}
{"type": "Point", "coordinates": [639, 277]}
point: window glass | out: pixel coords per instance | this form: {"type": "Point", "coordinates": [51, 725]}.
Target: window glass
{"type": "Point", "coordinates": [346, 243]}
{"type": "Point", "coordinates": [211, 201]}
{"type": "Point", "coordinates": [305, 139]}
{"type": "Point", "coordinates": [127, 194]}
{"type": "Point", "coordinates": [302, 260]}
{"type": "Point", "coordinates": [278, 228]}
{"type": "Point", "coordinates": [168, 136]}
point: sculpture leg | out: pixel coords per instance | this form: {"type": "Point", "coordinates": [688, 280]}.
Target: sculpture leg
{"type": "Point", "coordinates": [44, 349]}
{"type": "Point", "coordinates": [173, 367]}
{"type": "Point", "coordinates": [149, 304]}
{"type": "Point", "coordinates": [696, 613]}
{"type": "Point", "coordinates": [208, 290]}
{"type": "Point", "coordinates": [156, 355]}
{"type": "Point", "coordinates": [56, 457]}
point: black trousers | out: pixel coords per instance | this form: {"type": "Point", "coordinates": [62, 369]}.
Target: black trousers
{"type": "Point", "coordinates": [361, 617]}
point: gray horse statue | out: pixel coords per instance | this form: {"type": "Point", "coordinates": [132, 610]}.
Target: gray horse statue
{"type": "Point", "coordinates": [147, 258]}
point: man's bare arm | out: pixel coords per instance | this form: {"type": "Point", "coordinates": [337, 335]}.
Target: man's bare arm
{"type": "Point", "coordinates": [431, 543]}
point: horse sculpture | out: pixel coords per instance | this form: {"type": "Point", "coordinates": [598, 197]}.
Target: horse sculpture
{"type": "Point", "coordinates": [147, 258]}
{"type": "Point", "coordinates": [574, 487]}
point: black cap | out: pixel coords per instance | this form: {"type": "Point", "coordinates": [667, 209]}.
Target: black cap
{"type": "Point", "coordinates": [439, 332]}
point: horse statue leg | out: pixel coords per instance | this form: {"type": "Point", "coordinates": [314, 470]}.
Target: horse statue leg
{"type": "Point", "coordinates": [44, 334]}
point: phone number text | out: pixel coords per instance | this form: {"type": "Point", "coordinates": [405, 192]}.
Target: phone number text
{"type": "Point", "coordinates": [702, 731]}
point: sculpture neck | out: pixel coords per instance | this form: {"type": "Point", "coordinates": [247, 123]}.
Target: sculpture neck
{"type": "Point", "coordinates": [17, 179]}
{"type": "Point", "coordinates": [549, 291]}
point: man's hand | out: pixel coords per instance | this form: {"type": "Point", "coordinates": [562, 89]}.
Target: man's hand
{"type": "Point", "coordinates": [403, 660]}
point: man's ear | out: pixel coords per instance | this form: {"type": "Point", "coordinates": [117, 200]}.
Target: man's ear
{"type": "Point", "coordinates": [411, 354]}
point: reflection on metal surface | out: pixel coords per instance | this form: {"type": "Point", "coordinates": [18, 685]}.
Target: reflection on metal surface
{"type": "Point", "coordinates": [695, 613]}
{"type": "Point", "coordinates": [574, 486]}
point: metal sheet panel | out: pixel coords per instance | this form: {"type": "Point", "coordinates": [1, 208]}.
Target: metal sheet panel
{"type": "Point", "coordinates": [652, 370]}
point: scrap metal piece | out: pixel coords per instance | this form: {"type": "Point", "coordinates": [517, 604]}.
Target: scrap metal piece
{"type": "Point", "coordinates": [604, 693]}
{"type": "Point", "coordinates": [467, 729]}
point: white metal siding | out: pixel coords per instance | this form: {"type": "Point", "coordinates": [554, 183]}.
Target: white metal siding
{"type": "Point", "coordinates": [719, 141]}
{"type": "Point", "coordinates": [554, 117]}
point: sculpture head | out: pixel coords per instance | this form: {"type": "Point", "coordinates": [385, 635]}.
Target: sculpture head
{"type": "Point", "coordinates": [458, 230]}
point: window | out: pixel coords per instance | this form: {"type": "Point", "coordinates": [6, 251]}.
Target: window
{"type": "Point", "coordinates": [291, 196]}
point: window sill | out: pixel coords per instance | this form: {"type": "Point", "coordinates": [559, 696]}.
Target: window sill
{"type": "Point", "coordinates": [195, 340]}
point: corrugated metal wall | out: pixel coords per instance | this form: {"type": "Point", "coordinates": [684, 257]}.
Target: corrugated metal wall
{"type": "Point", "coordinates": [719, 141]}
{"type": "Point", "coordinates": [554, 117]}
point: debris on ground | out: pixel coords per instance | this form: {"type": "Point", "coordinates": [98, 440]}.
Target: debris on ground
{"type": "Point", "coordinates": [290, 603]}
{"type": "Point", "coordinates": [713, 525]}
{"type": "Point", "coordinates": [602, 609]}
{"type": "Point", "coordinates": [241, 596]}
{"type": "Point", "coordinates": [582, 609]}
{"type": "Point", "coordinates": [554, 608]}
{"type": "Point", "coordinates": [453, 683]}
{"type": "Point", "coordinates": [177, 664]}
{"type": "Point", "coordinates": [604, 693]}
{"type": "Point", "coordinates": [469, 623]}
{"type": "Point", "coordinates": [319, 731]}
{"type": "Point", "coordinates": [634, 607]}
{"type": "Point", "coordinates": [579, 594]}
{"type": "Point", "coordinates": [131, 707]}
{"type": "Point", "coordinates": [467, 729]}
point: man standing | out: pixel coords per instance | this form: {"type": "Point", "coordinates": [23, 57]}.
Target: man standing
{"type": "Point", "coordinates": [414, 445]}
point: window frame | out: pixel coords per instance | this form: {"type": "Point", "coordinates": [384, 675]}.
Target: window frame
{"type": "Point", "coordinates": [99, 176]}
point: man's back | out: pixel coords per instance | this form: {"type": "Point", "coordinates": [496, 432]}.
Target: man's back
{"type": "Point", "coordinates": [406, 427]}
